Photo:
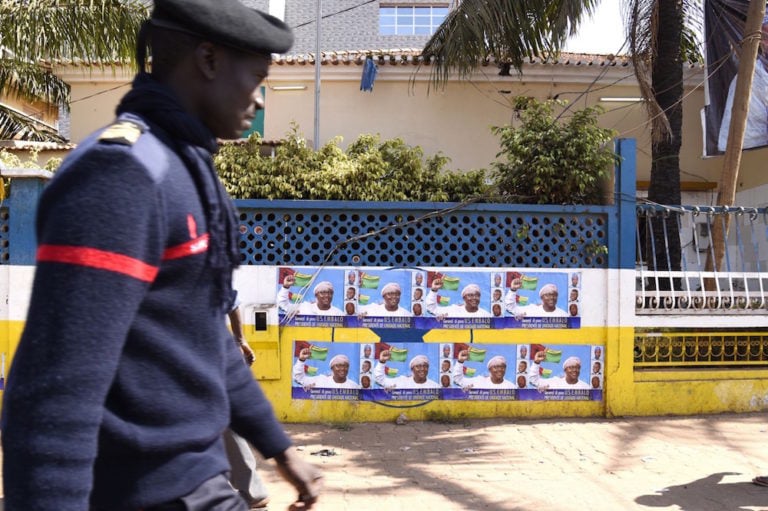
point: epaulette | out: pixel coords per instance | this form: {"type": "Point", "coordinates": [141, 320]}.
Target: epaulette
{"type": "Point", "coordinates": [122, 132]}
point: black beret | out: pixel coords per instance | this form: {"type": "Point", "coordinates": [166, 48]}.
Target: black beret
{"type": "Point", "coordinates": [226, 22]}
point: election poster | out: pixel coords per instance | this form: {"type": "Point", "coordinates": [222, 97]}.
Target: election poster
{"type": "Point", "coordinates": [418, 371]}
{"type": "Point", "coordinates": [428, 299]}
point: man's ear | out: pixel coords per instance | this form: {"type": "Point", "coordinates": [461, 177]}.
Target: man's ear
{"type": "Point", "coordinates": [207, 59]}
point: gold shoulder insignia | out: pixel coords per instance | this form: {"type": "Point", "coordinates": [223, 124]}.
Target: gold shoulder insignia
{"type": "Point", "coordinates": [121, 132]}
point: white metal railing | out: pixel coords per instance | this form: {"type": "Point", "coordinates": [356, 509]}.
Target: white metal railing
{"type": "Point", "coordinates": [664, 286]}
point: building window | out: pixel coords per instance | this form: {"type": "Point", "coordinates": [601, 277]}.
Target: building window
{"type": "Point", "coordinates": [410, 19]}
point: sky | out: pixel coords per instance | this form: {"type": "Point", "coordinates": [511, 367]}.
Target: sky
{"type": "Point", "coordinates": [603, 33]}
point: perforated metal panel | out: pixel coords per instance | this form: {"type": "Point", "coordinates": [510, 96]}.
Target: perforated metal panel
{"type": "Point", "coordinates": [408, 234]}
{"type": "Point", "coordinates": [712, 348]}
{"type": "Point", "coordinates": [4, 245]}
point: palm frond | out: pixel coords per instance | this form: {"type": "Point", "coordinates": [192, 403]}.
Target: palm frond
{"type": "Point", "coordinates": [34, 32]}
{"type": "Point", "coordinates": [90, 30]}
{"type": "Point", "coordinates": [642, 24]}
{"type": "Point", "coordinates": [693, 27]}
{"type": "Point", "coordinates": [509, 31]}
{"type": "Point", "coordinates": [31, 82]}
{"type": "Point", "coordinates": [15, 125]}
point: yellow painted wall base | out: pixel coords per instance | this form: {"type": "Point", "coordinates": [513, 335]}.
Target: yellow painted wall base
{"type": "Point", "coordinates": [627, 392]}
{"type": "Point", "coordinates": [693, 396]}
{"type": "Point", "coordinates": [292, 410]}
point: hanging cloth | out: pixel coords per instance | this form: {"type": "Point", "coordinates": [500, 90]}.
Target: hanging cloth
{"type": "Point", "coordinates": [369, 75]}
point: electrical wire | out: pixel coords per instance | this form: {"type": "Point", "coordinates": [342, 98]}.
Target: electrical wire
{"type": "Point", "coordinates": [95, 94]}
{"type": "Point", "coordinates": [342, 11]}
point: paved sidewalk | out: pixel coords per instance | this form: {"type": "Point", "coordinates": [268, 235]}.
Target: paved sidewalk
{"type": "Point", "coordinates": [700, 463]}
{"type": "Point", "coordinates": [695, 464]}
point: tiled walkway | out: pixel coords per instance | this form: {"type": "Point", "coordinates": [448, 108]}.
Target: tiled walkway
{"type": "Point", "coordinates": [700, 463]}
{"type": "Point", "coordinates": [694, 464]}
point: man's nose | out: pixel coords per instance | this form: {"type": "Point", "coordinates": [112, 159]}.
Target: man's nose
{"type": "Point", "coordinates": [259, 101]}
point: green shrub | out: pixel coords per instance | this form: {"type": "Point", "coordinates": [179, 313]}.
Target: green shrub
{"type": "Point", "coordinates": [369, 170]}
{"type": "Point", "coordinates": [548, 161]}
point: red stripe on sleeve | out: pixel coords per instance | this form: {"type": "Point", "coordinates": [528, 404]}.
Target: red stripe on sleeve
{"type": "Point", "coordinates": [191, 247]}
{"type": "Point", "coordinates": [99, 259]}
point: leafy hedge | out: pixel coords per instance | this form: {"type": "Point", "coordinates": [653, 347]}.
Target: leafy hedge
{"type": "Point", "coordinates": [543, 160]}
{"type": "Point", "coordinates": [369, 170]}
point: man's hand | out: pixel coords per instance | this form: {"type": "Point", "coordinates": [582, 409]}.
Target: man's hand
{"type": "Point", "coordinates": [305, 477]}
{"type": "Point", "coordinates": [304, 354]}
{"type": "Point", "coordinates": [384, 356]}
{"type": "Point", "coordinates": [540, 356]}
{"type": "Point", "coordinates": [516, 284]}
{"type": "Point", "coordinates": [289, 281]}
{"type": "Point", "coordinates": [437, 284]}
{"type": "Point", "coordinates": [248, 353]}
{"type": "Point", "coordinates": [462, 356]}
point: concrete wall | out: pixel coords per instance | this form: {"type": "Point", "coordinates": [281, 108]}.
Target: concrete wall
{"type": "Point", "coordinates": [605, 322]}
{"type": "Point", "coordinates": [455, 121]}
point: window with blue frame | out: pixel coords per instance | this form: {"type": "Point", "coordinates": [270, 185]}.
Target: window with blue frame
{"type": "Point", "coordinates": [411, 19]}
{"type": "Point", "coordinates": [258, 121]}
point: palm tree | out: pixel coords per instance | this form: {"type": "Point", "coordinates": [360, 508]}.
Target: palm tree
{"type": "Point", "coordinates": [36, 33]}
{"type": "Point", "coordinates": [660, 35]}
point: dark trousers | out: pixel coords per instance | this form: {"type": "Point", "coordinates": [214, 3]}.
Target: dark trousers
{"type": "Point", "coordinates": [215, 494]}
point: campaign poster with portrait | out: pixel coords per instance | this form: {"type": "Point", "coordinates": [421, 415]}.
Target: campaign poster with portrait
{"type": "Point", "coordinates": [542, 300]}
{"type": "Point", "coordinates": [499, 299]}
{"type": "Point", "coordinates": [428, 299]}
{"type": "Point", "coordinates": [724, 22]}
{"type": "Point", "coordinates": [456, 299]}
{"type": "Point", "coordinates": [402, 372]}
{"type": "Point", "coordinates": [478, 372]}
{"type": "Point", "coordinates": [560, 372]}
{"type": "Point", "coordinates": [313, 297]}
{"type": "Point", "coordinates": [325, 371]}
{"type": "Point", "coordinates": [408, 371]}
{"type": "Point", "coordinates": [380, 297]}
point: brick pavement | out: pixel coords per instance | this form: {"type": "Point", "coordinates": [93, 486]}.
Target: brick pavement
{"type": "Point", "coordinates": [700, 463]}
{"type": "Point", "coordinates": [689, 463]}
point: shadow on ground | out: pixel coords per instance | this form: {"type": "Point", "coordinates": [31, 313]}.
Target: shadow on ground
{"type": "Point", "coordinates": [703, 493]}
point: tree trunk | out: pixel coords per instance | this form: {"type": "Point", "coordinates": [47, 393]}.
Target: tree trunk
{"type": "Point", "coordinates": [667, 79]}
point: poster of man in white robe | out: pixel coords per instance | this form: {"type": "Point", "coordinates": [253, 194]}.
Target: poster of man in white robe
{"type": "Point", "coordinates": [325, 371]}
{"type": "Point", "coordinates": [311, 296]}
{"type": "Point", "coordinates": [404, 372]}
{"type": "Point", "coordinates": [561, 372]}
{"type": "Point", "coordinates": [482, 372]}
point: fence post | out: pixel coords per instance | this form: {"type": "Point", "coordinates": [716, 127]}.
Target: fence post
{"type": "Point", "coordinates": [626, 192]}
{"type": "Point", "coordinates": [620, 314]}
{"type": "Point", "coordinates": [26, 187]}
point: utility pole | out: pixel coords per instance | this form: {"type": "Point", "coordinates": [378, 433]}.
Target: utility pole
{"type": "Point", "coordinates": [318, 34]}
{"type": "Point", "coordinates": [732, 160]}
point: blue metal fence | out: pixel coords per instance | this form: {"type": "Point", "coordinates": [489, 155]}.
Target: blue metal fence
{"type": "Point", "coordinates": [389, 234]}
{"type": "Point", "coordinates": [420, 234]}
